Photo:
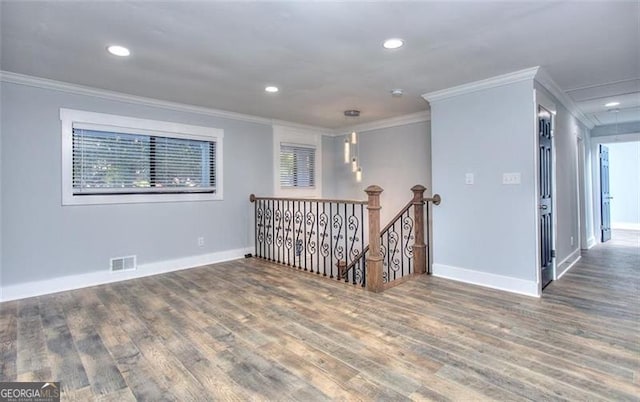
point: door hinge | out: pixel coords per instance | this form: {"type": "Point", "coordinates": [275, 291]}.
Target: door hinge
{"type": "Point", "coordinates": [553, 253]}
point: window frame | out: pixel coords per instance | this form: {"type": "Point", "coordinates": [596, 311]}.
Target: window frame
{"type": "Point", "coordinates": [315, 157]}
{"type": "Point", "coordinates": [299, 136]}
{"type": "Point", "coordinates": [169, 129]}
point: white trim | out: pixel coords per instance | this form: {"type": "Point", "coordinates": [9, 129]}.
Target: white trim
{"type": "Point", "coordinates": [37, 82]}
{"type": "Point", "coordinates": [418, 117]}
{"type": "Point", "coordinates": [44, 83]}
{"type": "Point", "coordinates": [579, 206]}
{"type": "Point", "coordinates": [69, 117]}
{"type": "Point", "coordinates": [60, 284]}
{"type": "Point", "coordinates": [540, 99]}
{"type": "Point", "coordinates": [591, 242]}
{"type": "Point", "coordinates": [139, 125]}
{"type": "Point", "coordinates": [570, 260]}
{"type": "Point", "coordinates": [304, 137]}
{"type": "Point", "coordinates": [536, 190]}
{"type": "Point", "coordinates": [625, 225]}
{"type": "Point", "coordinates": [500, 80]}
{"type": "Point", "coordinates": [597, 206]}
{"type": "Point", "coordinates": [500, 282]}
{"type": "Point", "coordinates": [544, 79]}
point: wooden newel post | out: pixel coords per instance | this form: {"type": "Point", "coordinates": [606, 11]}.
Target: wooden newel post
{"type": "Point", "coordinates": [419, 248]}
{"type": "Point", "coordinates": [374, 259]}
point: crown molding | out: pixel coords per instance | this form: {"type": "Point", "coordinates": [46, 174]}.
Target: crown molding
{"type": "Point", "coordinates": [304, 127]}
{"type": "Point", "coordinates": [385, 123]}
{"type": "Point", "coordinates": [505, 79]}
{"type": "Point", "coordinates": [44, 83]}
{"type": "Point", "coordinates": [543, 78]}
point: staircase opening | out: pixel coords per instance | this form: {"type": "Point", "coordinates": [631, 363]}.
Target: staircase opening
{"type": "Point", "coordinates": [343, 239]}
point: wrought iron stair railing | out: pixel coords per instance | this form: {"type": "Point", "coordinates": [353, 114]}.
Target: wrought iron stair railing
{"type": "Point", "coordinates": [400, 239]}
{"type": "Point", "coordinates": [311, 235]}
{"type": "Point", "coordinates": [329, 237]}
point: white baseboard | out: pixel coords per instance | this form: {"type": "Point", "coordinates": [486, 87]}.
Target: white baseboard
{"type": "Point", "coordinates": [59, 284]}
{"type": "Point", "coordinates": [625, 225]}
{"type": "Point", "coordinates": [567, 263]}
{"type": "Point", "coordinates": [500, 282]}
{"type": "Point", "coordinates": [591, 241]}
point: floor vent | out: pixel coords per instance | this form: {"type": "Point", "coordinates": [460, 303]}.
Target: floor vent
{"type": "Point", "coordinates": [119, 264]}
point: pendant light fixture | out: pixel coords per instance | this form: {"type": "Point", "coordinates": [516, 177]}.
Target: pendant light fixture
{"type": "Point", "coordinates": [353, 155]}
{"type": "Point", "coordinates": [347, 151]}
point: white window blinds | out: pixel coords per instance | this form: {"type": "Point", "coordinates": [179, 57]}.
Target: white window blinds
{"type": "Point", "coordinates": [297, 166]}
{"type": "Point", "coordinates": [113, 162]}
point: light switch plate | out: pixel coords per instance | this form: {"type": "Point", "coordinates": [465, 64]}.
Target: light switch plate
{"type": "Point", "coordinates": [468, 178]}
{"type": "Point", "coordinates": [511, 178]}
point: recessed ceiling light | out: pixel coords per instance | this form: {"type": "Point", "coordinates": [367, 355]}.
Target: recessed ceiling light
{"type": "Point", "coordinates": [117, 50]}
{"type": "Point", "coordinates": [611, 104]}
{"type": "Point", "coordinates": [271, 89]}
{"type": "Point", "coordinates": [393, 43]}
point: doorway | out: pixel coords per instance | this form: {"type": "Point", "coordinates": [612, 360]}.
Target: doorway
{"type": "Point", "coordinates": [605, 195]}
{"type": "Point", "coordinates": [622, 190]}
{"type": "Point", "coordinates": [616, 185]}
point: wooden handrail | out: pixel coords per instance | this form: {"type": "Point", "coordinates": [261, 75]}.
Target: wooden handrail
{"type": "Point", "coordinates": [254, 198]}
{"type": "Point", "coordinates": [391, 222]}
{"type": "Point", "coordinates": [436, 199]}
{"type": "Point", "coordinates": [302, 247]}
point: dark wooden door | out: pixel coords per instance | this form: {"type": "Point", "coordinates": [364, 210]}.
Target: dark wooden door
{"type": "Point", "coordinates": [605, 196]}
{"type": "Point", "coordinates": [545, 184]}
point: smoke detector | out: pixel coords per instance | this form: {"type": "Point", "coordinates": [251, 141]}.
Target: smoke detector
{"type": "Point", "coordinates": [396, 92]}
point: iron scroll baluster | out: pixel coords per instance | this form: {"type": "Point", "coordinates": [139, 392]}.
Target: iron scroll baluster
{"type": "Point", "coordinates": [320, 236]}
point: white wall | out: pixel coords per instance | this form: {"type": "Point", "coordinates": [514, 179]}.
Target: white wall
{"type": "Point", "coordinates": [329, 163]}
{"type": "Point", "coordinates": [587, 234]}
{"type": "Point", "coordinates": [624, 184]}
{"type": "Point", "coordinates": [394, 158]}
{"type": "Point", "coordinates": [486, 232]}
{"type": "Point", "coordinates": [42, 240]}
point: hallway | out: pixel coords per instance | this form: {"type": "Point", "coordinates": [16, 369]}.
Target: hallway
{"type": "Point", "coordinates": [606, 280]}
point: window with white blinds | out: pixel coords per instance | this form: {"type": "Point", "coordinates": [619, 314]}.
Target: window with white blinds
{"type": "Point", "coordinates": [297, 166]}
{"type": "Point", "coordinates": [111, 162]}
{"type": "Point", "coordinates": [116, 159]}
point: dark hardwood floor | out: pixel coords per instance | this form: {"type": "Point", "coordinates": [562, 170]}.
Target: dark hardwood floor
{"type": "Point", "coordinates": [246, 330]}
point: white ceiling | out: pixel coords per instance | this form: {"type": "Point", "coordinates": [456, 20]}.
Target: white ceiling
{"type": "Point", "coordinates": [326, 57]}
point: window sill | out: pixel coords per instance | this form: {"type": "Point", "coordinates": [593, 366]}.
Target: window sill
{"type": "Point", "coordinates": [137, 198]}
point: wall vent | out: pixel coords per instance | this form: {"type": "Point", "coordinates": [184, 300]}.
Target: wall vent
{"type": "Point", "coordinates": [119, 264]}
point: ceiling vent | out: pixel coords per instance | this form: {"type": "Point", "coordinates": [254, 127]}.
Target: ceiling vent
{"type": "Point", "coordinates": [119, 264]}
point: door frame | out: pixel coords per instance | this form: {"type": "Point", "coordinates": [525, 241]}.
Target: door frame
{"type": "Point", "coordinates": [595, 176]}
{"type": "Point", "coordinates": [600, 231]}
{"type": "Point", "coordinates": [541, 99]}
{"type": "Point", "coordinates": [585, 189]}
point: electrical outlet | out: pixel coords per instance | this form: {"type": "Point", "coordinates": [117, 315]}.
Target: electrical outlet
{"type": "Point", "coordinates": [200, 241]}
{"type": "Point", "coordinates": [572, 240]}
